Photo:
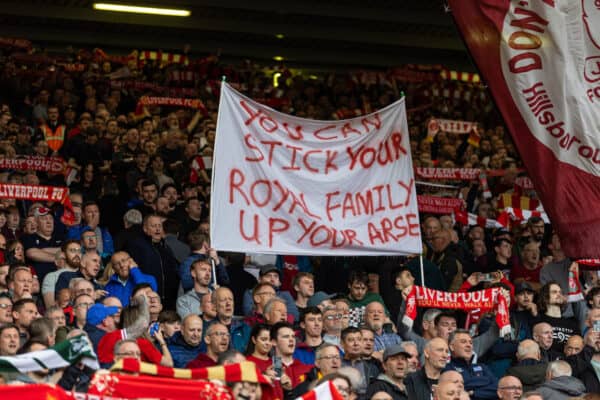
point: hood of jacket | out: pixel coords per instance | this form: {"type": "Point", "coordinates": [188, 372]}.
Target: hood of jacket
{"type": "Point", "coordinates": [568, 385]}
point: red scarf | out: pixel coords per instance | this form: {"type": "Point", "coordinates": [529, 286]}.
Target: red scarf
{"type": "Point", "coordinates": [485, 300]}
{"type": "Point", "coordinates": [40, 193]}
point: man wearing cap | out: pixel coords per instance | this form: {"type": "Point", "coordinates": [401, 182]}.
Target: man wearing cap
{"type": "Point", "coordinates": [321, 300]}
{"type": "Point", "coordinates": [524, 312]}
{"type": "Point", "coordinates": [100, 320]}
{"type": "Point", "coordinates": [41, 246]}
{"type": "Point", "coordinates": [391, 381]}
{"type": "Point", "coordinates": [270, 274]}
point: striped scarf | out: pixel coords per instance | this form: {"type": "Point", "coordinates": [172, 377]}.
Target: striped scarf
{"type": "Point", "coordinates": [65, 353]}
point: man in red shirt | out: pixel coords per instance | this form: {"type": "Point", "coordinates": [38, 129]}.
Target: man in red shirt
{"type": "Point", "coordinates": [529, 268]}
{"type": "Point", "coordinates": [217, 342]}
{"type": "Point", "coordinates": [284, 344]}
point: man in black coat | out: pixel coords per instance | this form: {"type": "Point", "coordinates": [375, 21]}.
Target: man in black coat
{"type": "Point", "coordinates": [156, 259]}
{"type": "Point", "coordinates": [419, 384]}
{"type": "Point", "coordinates": [395, 366]}
{"type": "Point", "coordinates": [583, 363]}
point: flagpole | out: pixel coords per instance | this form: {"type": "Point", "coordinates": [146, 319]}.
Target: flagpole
{"type": "Point", "coordinates": [422, 270]}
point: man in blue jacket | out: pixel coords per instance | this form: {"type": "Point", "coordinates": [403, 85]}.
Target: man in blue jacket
{"type": "Point", "coordinates": [127, 276]}
{"type": "Point", "coordinates": [480, 382]}
{"type": "Point", "coordinates": [91, 221]}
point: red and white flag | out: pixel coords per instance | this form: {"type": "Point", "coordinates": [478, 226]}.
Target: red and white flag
{"type": "Point", "coordinates": [325, 391]}
{"type": "Point", "coordinates": [542, 66]}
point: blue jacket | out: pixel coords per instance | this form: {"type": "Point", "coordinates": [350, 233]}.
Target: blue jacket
{"type": "Point", "coordinates": [115, 288]}
{"type": "Point", "coordinates": [240, 336]}
{"type": "Point", "coordinates": [108, 248]}
{"type": "Point", "coordinates": [478, 378]}
{"type": "Point", "coordinates": [185, 274]}
{"type": "Point", "coordinates": [181, 352]}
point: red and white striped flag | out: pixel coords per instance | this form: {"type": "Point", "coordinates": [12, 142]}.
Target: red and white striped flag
{"type": "Point", "coordinates": [325, 391]}
{"type": "Point", "coordinates": [518, 215]}
{"type": "Point", "coordinates": [464, 218]}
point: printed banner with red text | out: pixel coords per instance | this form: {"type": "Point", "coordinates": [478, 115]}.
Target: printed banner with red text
{"type": "Point", "coordinates": [542, 65]}
{"type": "Point", "coordinates": [287, 185]}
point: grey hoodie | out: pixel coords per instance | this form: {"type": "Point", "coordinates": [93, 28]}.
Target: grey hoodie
{"type": "Point", "coordinates": [561, 388]}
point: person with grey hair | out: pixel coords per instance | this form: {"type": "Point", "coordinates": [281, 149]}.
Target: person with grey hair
{"type": "Point", "coordinates": [275, 311]}
{"type": "Point", "coordinates": [411, 348]}
{"type": "Point", "coordinates": [530, 368]}
{"type": "Point", "coordinates": [560, 384]}
{"type": "Point", "coordinates": [132, 222]}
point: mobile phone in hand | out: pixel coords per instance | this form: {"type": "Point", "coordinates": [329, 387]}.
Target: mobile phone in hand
{"type": "Point", "coordinates": [487, 277]}
{"type": "Point", "coordinates": [596, 326]}
{"type": "Point", "coordinates": [277, 366]}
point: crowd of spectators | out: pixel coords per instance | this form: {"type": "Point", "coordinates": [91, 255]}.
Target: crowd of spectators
{"type": "Point", "coordinates": [136, 271]}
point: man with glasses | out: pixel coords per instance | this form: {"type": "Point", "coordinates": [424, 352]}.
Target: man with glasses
{"type": "Point", "coordinates": [127, 348]}
{"type": "Point", "coordinates": [332, 326]}
{"type": "Point", "coordinates": [127, 275]}
{"type": "Point", "coordinates": [81, 305]}
{"type": "Point", "coordinates": [327, 361]}
{"type": "Point", "coordinates": [270, 274]}
{"type": "Point", "coordinates": [91, 222]}
{"type": "Point", "coordinates": [6, 305]}
{"type": "Point", "coordinates": [261, 294]}
{"type": "Point", "coordinates": [216, 339]}
{"type": "Point", "coordinates": [509, 388]}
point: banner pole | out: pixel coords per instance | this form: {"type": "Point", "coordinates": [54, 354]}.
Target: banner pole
{"type": "Point", "coordinates": [214, 272]}
{"type": "Point", "coordinates": [422, 270]}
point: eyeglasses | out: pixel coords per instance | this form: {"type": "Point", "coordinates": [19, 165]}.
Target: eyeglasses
{"type": "Point", "coordinates": [86, 305]}
{"type": "Point", "coordinates": [334, 316]}
{"type": "Point", "coordinates": [74, 250]}
{"type": "Point", "coordinates": [330, 358]}
{"type": "Point", "coordinates": [512, 388]}
{"type": "Point", "coordinates": [6, 306]}
{"type": "Point", "coordinates": [265, 294]}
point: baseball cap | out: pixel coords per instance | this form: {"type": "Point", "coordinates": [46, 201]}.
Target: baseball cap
{"type": "Point", "coordinates": [394, 350]}
{"type": "Point", "coordinates": [523, 287]}
{"type": "Point", "coordinates": [98, 312]}
{"type": "Point", "coordinates": [318, 298]}
{"type": "Point", "coordinates": [265, 269]}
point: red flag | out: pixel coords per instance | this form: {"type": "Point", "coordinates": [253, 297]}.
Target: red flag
{"type": "Point", "coordinates": [541, 65]}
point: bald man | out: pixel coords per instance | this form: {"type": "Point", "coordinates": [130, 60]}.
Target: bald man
{"type": "Point", "coordinates": [509, 388]}
{"type": "Point", "coordinates": [454, 377]}
{"type": "Point", "coordinates": [419, 384]}
{"type": "Point", "coordinates": [447, 391]}
{"type": "Point", "coordinates": [542, 334]}
{"type": "Point", "coordinates": [574, 345]}
{"type": "Point", "coordinates": [186, 344]}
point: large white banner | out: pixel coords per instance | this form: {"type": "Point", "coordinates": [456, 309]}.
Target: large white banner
{"type": "Point", "coordinates": [289, 185]}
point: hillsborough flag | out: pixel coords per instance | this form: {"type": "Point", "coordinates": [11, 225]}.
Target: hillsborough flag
{"type": "Point", "coordinates": [541, 60]}
{"type": "Point", "coordinates": [288, 185]}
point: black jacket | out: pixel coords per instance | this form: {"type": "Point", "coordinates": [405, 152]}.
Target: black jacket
{"type": "Point", "coordinates": [531, 373]}
{"type": "Point", "coordinates": [381, 384]}
{"type": "Point", "coordinates": [157, 259]}
{"type": "Point", "coordinates": [582, 368]}
{"type": "Point", "coordinates": [418, 386]}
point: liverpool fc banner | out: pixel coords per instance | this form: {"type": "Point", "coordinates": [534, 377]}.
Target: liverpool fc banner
{"type": "Point", "coordinates": [288, 185]}
{"type": "Point", "coordinates": [541, 60]}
